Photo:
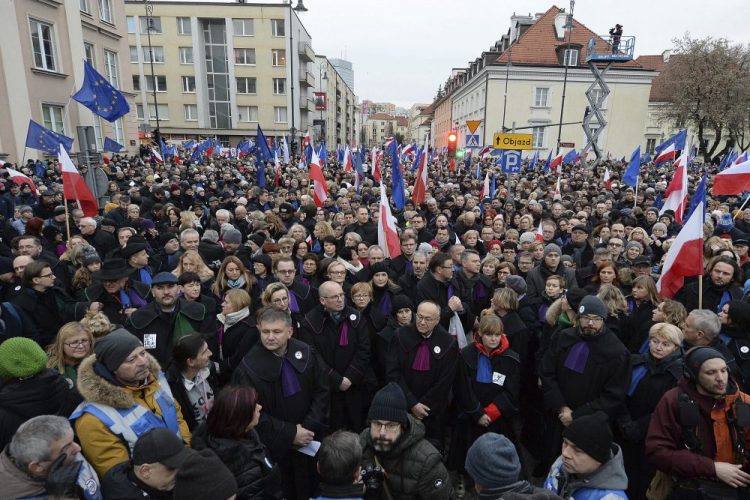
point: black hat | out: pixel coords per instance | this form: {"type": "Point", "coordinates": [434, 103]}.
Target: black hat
{"type": "Point", "coordinates": [265, 260]}
{"type": "Point", "coordinates": [59, 210]}
{"type": "Point", "coordinates": [592, 434]}
{"type": "Point", "coordinates": [402, 302]}
{"type": "Point", "coordinates": [580, 227]}
{"type": "Point", "coordinates": [203, 476]}
{"type": "Point", "coordinates": [257, 238]}
{"type": "Point", "coordinates": [378, 267]}
{"type": "Point", "coordinates": [740, 241]}
{"type": "Point", "coordinates": [115, 347]}
{"type": "Point", "coordinates": [166, 237]}
{"type": "Point", "coordinates": [574, 297]}
{"type": "Point", "coordinates": [135, 244]}
{"type": "Point", "coordinates": [286, 208]}
{"type": "Point", "coordinates": [591, 304]}
{"type": "Point", "coordinates": [164, 278]}
{"type": "Point", "coordinates": [695, 357]}
{"type": "Point", "coordinates": [389, 404]}
{"type": "Point", "coordinates": [160, 446]}
{"type": "Point", "coordinates": [114, 269]}
{"type": "Point", "coordinates": [107, 222]}
{"type": "Point", "coordinates": [641, 260]}
{"type": "Point", "coordinates": [510, 245]}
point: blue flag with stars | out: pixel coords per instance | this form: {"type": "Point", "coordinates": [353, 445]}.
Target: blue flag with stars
{"type": "Point", "coordinates": [397, 180]}
{"type": "Point", "coordinates": [100, 96]}
{"type": "Point", "coordinates": [112, 146]}
{"type": "Point", "coordinates": [44, 139]}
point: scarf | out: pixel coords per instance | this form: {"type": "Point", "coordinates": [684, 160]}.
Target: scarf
{"type": "Point", "coordinates": [144, 277]}
{"type": "Point", "coordinates": [484, 360]}
{"type": "Point", "coordinates": [344, 333]}
{"type": "Point", "coordinates": [293, 306]}
{"type": "Point", "coordinates": [635, 378]}
{"type": "Point", "coordinates": [578, 356]}
{"type": "Point", "coordinates": [289, 381]}
{"type": "Point", "coordinates": [129, 298]}
{"type": "Point", "coordinates": [385, 305]}
{"type": "Point", "coordinates": [421, 361]}
{"type": "Point", "coordinates": [238, 283]}
{"type": "Point", "coordinates": [229, 320]}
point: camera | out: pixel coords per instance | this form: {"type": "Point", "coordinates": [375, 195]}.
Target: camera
{"type": "Point", "coordinates": [373, 476]}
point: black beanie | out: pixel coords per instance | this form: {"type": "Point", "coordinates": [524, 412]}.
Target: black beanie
{"type": "Point", "coordinates": [257, 238]}
{"type": "Point", "coordinates": [115, 347]}
{"type": "Point", "coordinates": [389, 404]}
{"type": "Point", "coordinates": [592, 434]}
{"type": "Point", "coordinates": [574, 297]}
{"type": "Point", "coordinates": [401, 302]}
{"type": "Point", "coordinates": [265, 260]}
{"type": "Point", "coordinates": [378, 267]}
{"type": "Point", "coordinates": [203, 476]}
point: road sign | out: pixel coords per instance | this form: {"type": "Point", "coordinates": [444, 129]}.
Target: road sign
{"type": "Point", "coordinates": [472, 140]}
{"type": "Point", "coordinates": [567, 144]}
{"type": "Point", "coordinates": [510, 161]}
{"type": "Point", "coordinates": [473, 125]}
{"type": "Point", "coordinates": [512, 141]}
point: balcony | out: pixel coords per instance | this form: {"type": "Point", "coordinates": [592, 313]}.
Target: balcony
{"type": "Point", "coordinates": [307, 105]}
{"type": "Point", "coordinates": [306, 79]}
{"type": "Point", "coordinates": [306, 52]}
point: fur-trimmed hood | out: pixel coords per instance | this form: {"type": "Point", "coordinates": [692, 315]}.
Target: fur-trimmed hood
{"type": "Point", "coordinates": [95, 388]}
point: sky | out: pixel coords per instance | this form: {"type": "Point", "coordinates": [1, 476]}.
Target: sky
{"type": "Point", "coordinates": [403, 50]}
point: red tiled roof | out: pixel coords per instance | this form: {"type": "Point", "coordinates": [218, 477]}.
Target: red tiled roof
{"type": "Point", "coordinates": [402, 121]}
{"type": "Point", "coordinates": [381, 116]}
{"type": "Point", "coordinates": [655, 63]}
{"type": "Point", "coordinates": [538, 45]}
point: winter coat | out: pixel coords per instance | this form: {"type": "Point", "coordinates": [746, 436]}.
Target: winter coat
{"type": "Point", "coordinates": [47, 312]}
{"type": "Point", "coordinates": [607, 482]}
{"type": "Point", "coordinates": [120, 483]}
{"type": "Point", "coordinates": [712, 296]}
{"type": "Point", "coordinates": [46, 393]}
{"type": "Point", "coordinates": [112, 307]}
{"type": "Point", "coordinates": [429, 288]}
{"type": "Point", "coordinates": [247, 459]}
{"type": "Point", "coordinates": [477, 291]}
{"type": "Point", "coordinates": [536, 278]}
{"type": "Point", "coordinates": [230, 347]}
{"type": "Point", "coordinates": [368, 231]}
{"type": "Point", "coordinates": [180, 393]}
{"type": "Point", "coordinates": [414, 467]}
{"type": "Point", "coordinates": [637, 324]}
{"type": "Point", "coordinates": [96, 384]}
{"type": "Point", "coordinates": [516, 491]}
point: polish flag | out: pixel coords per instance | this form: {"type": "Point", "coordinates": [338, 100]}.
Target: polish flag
{"type": "Point", "coordinates": [685, 256]}
{"type": "Point", "coordinates": [485, 152]}
{"type": "Point", "coordinates": [420, 184]}
{"type": "Point", "coordinates": [733, 180]}
{"type": "Point", "coordinates": [607, 179]}
{"type": "Point", "coordinates": [557, 164]}
{"type": "Point", "coordinates": [409, 149]}
{"type": "Point", "coordinates": [306, 140]}
{"type": "Point", "coordinates": [320, 189]}
{"type": "Point", "coordinates": [557, 195]}
{"type": "Point", "coordinates": [675, 197]}
{"type": "Point", "coordinates": [74, 187]}
{"type": "Point", "coordinates": [666, 154]}
{"type": "Point", "coordinates": [387, 234]}
{"type": "Point", "coordinates": [376, 155]}
{"type": "Point", "coordinates": [347, 160]}
{"type": "Point", "coordinates": [485, 188]}
{"type": "Point", "coordinates": [156, 156]}
{"type": "Point", "coordinates": [539, 236]}
{"type": "Point", "coordinates": [741, 158]}
{"type": "Point", "coordinates": [20, 179]}
{"type": "Point", "coordinates": [452, 165]}
{"type": "Point", "coordinates": [276, 169]}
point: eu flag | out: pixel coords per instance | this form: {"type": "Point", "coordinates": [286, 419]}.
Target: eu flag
{"type": "Point", "coordinates": [100, 96]}
{"type": "Point", "coordinates": [112, 146]}
{"type": "Point", "coordinates": [397, 180]}
{"type": "Point", "coordinates": [264, 154]}
{"type": "Point", "coordinates": [633, 170]}
{"type": "Point", "coordinates": [44, 139]}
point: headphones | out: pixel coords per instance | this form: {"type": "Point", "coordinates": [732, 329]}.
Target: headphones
{"type": "Point", "coordinates": [695, 357]}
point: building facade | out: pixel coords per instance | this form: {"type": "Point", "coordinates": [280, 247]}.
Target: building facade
{"type": "Point", "coordinates": [337, 123]}
{"type": "Point", "coordinates": [345, 69]}
{"type": "Point", "coordinates": [221, 69]}
{"type": "Point", "coordinates": [41, 66]}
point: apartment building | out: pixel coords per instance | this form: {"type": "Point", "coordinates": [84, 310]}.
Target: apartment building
{"type": "Point", "coordinates": [335, 119]}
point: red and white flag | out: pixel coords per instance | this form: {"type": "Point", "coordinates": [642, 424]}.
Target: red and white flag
{"type": "Point", "coordinates": [607, 179]}
{"type": "Point", "coordinates": [320, 189]}
{"type": "Point", "coordinates": [734, 180]}
{"type": "Point", "coordinates": [420, 184]}
{"type": "Point", "coordinates": [387, 233]}
{"type": "Point", "coordinates": [20, 179]}
{"type": "Point", "coordinates": [347, 159]}
{"type": "Point", "coordinates": [375, 155]}
{"type": "Point", "coordinates": [485, 152]}
{"type": "Point", "coordinates": [685, 256]}
{"type": "Point", "coordinates": [539, 236]}
{"type": "Point", "coordinates": [74, 187]}
{"type": "Point", "coordinates": [675, 197]}
{"type": "Point", "coordinates": [306, 140]}
{"type": "Point", "coordinates": [556, 164]}
{"type": "Point", "coordinates": [156, 156]}
{"type": "Point", "coordinates": [666, 154]}
{"type": "Point", "coordinates": [485, 188]}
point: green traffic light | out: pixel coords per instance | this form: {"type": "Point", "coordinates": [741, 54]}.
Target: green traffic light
{"type": "Point", "coordinates": [459, 153]}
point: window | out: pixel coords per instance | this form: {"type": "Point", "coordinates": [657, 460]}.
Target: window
{"type": "Point", "coordinates": [597, 94]}
{"type": "Point", "coordinates": [277, 27]}
{"type": "Point", "coordinates": [244, 56]}
{"type": "Point", "coordinates": [279, 114]}
{"type": "Point", "coordinates": [183, 26]}
{"type": "Point", "coordinates": [188, 84]}
{"type": "Point", "coordinates": [246, 85]}
{"type": "Point", "coordinates": [163, 112]}
{"type": "Point", "coordinates": [186, 55]}
{"type": "Point", "coordinates": [541, 97]}
{"type": "Point", "coordinates": [158, 54]}
{"type": "Point", "coordinates": [243, 27]}
{"type": "Point", "coordinates": [111, 71]}
{"type": "Point", "coordinates": [537, 137]}
{"type": "Point", "coordinates": [191, 112]}
{"type": "Point", "coordinates": [139, 111]}
{"type": "Point", "coordinates": [106, 13]}
{"type": "Point", "coordinates": [119, 131]}
{"type": "Point", "coordinates": [279, 57]}
{"type": "Point", "coordinates": [248, 113]}
{"type": "Point", "coordinates": [133, 54]}
{"type": "Point", "coordinates": [154, 26]}
{"type": "Point", "coordinates": [83, 6]}
{"type": "Point", "coordinates": [570, 57]}
{"type": "Point", "coordinates": [98, 139]}
{"type": "Point", "coordinates": [53, 118]}
{"type": "Point", "coordinates": [88, 51]}
{"type": "Point", "coordinates": [279, 86]}
{"type": "Point", "coordinates": [136, 82]}
{"type": "Point", "coordinates": [650, 146]}
{"type": "Point", "coordinates": [42, 41]}
{"type": "Point", "coordinates": [161, 83]}
{"type": "Point", "coordinates": [130, 21]}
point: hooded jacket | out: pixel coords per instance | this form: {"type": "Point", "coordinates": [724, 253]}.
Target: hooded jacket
{"type": "Point", "coordinates": [608, 481]}
{"type": "Point", "coordinates": [101, 448]}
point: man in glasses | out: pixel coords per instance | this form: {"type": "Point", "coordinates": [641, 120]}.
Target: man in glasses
{"type": "Point", "coordinates": [302, 297]}
{"type": "Point", "coordinates": [584, 370]}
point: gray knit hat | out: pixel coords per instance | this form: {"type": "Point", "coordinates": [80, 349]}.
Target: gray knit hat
{"type": "Point", "coordinates": [593, 305]}
{"type": "Point", "coordinates": [389, 404]}
{"type": "Point", "coordinates": [492, 461]}
{"type": "Point", "coordinates": [552, 248]}
{"type": "Point", "coordinates": [114, 348]}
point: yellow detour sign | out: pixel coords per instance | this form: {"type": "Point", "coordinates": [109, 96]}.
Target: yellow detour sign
{"type": "Point", "coordinates": [472, 125]}
{"type": "Point", "coordinates": [512, 141]}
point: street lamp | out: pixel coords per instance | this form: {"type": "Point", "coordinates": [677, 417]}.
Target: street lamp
{"type": "Point", "coordinates": [323, 76]}
{"type": "Point", "coordinates": [566, 62]}
{"type": "Point", "coordinates": [299, 8]}
{"type": "Point", "coordinates": [149, 21]}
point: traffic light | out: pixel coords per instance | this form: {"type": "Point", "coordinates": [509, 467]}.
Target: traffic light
{"type": "Point", "coordinates": [452, 141]}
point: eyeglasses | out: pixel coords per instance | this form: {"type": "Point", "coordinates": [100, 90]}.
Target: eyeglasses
{"type": "Point", "coordinates": [591, 319]}
{"type": "Point", "coordinates": [50, 275]}
{"type": "Point", "coordinates": [614, 244]}
{"type": "Point", "coordinates": [285, 271]}
{"type": "Point", "coordinates": [340, 296]}
{"type": "Point", "coordinates": [78, 343]}
{"type": "Point", "coordinates": [426, 319]}
{"type": "Point", "coordinates": [361, 296]}
{"type": "Point", "coordinates": [388, 426]}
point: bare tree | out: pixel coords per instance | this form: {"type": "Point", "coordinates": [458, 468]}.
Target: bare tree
{"type": "Point", "coordinates": [705, 84]}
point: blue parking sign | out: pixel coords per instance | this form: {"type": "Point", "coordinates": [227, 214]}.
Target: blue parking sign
{"type": "Point", "coordinates": [510, 161]}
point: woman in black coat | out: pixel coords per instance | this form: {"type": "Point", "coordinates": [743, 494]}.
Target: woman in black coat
{"type": "Point", "coordinates": [653, 373]}
{"type": "Point", "coordinates": [230, 433]}
{"type": "Point", "coordinates": [237, 333]}
{"type": "Point", "coordinates": [642, 301]}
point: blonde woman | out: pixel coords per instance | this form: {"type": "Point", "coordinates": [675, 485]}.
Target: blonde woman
{"type": "Point", "coordinates": [617, 309]}
{"type": "Point", "coordinates": [72, 343]}
{"type": "Point", "coordinates": [192, 261]}
{"type": "Point", "coordinates": [232, 275]}
{"type": "Point", "coordinates": [237, 332]}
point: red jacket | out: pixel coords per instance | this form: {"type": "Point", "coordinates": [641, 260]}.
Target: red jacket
{"type": "Point", "coordinates": [665, 449]}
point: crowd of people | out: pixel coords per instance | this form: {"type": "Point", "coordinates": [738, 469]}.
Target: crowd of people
{"type": "Point", "coordinates": [205, 337]}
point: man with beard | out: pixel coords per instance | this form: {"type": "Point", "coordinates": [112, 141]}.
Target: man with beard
{"type": "Point", "coordinates": [718, 286]}
{"type": "Point", "coordinates": [578, 247]}
{"type": "Point", "coordinates": [584, 370]}
{"type": "Point", "coordinates": [708, 451]}
{"type": "Point", "coordinates": [395, 440]}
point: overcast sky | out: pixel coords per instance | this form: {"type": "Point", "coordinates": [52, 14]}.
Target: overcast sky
{"type": "Point", "coordinates": [403, 49]}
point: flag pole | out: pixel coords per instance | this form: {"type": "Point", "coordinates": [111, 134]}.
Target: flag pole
{"type": "Point", "coordinates": [741, 208]}
{"type": "Point", "coordinates": [700, 291]}
{"type": "Point", "coordinates": [637, 181]}
{"type": "Point", "coordinates": [67, 218]}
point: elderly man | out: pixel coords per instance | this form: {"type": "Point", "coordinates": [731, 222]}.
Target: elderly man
{"type": "Point", "coordinates": [44, 461]}
{"type": "Point", "coordinates": [125, 394]}
{"type": "Point", "coordinates": [103, 241]}
{"type": "Point", "coordinates": [364, 227]}
{"type": "Point", "coordinates": [113, 293]}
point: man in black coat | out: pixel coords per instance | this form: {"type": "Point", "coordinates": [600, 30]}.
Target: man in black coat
{"type": "Point", "coordinates": [439, 287]}
{"type": "Point", "coordinates": [103, 241]}
{"type": "Point", "coordinates": [403, 264]}
{"type": "Point", "coordinates": [302, 298]}
{"type": "Point", "coordinates": [585, 369]}
{"type": "Point", "coordinates": [408, 281]}
{"type": "Point", "coordinates": [718, 286]}
{"type": "Point", "coordinates": [160, 323]}
{"type": "Point", "coordinates": [292, 386]}
{"type": "Point", "coordinates": [474, 286]}
{"type": "Point", "coordinates": [423, 362]}
{"type": "Point", "coordinates": [364, 227]}
{"type": "Point", "coordinates": [341, 337]}
{"type": "Point", "coordinates": [578, 247]}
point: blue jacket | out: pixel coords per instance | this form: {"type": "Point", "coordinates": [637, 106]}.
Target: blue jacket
{"type": "Point", "coordinates": [608, 482]}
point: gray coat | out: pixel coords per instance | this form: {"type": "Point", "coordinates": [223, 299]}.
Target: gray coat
{"type": "Point", "coordinates": [536, 278]}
